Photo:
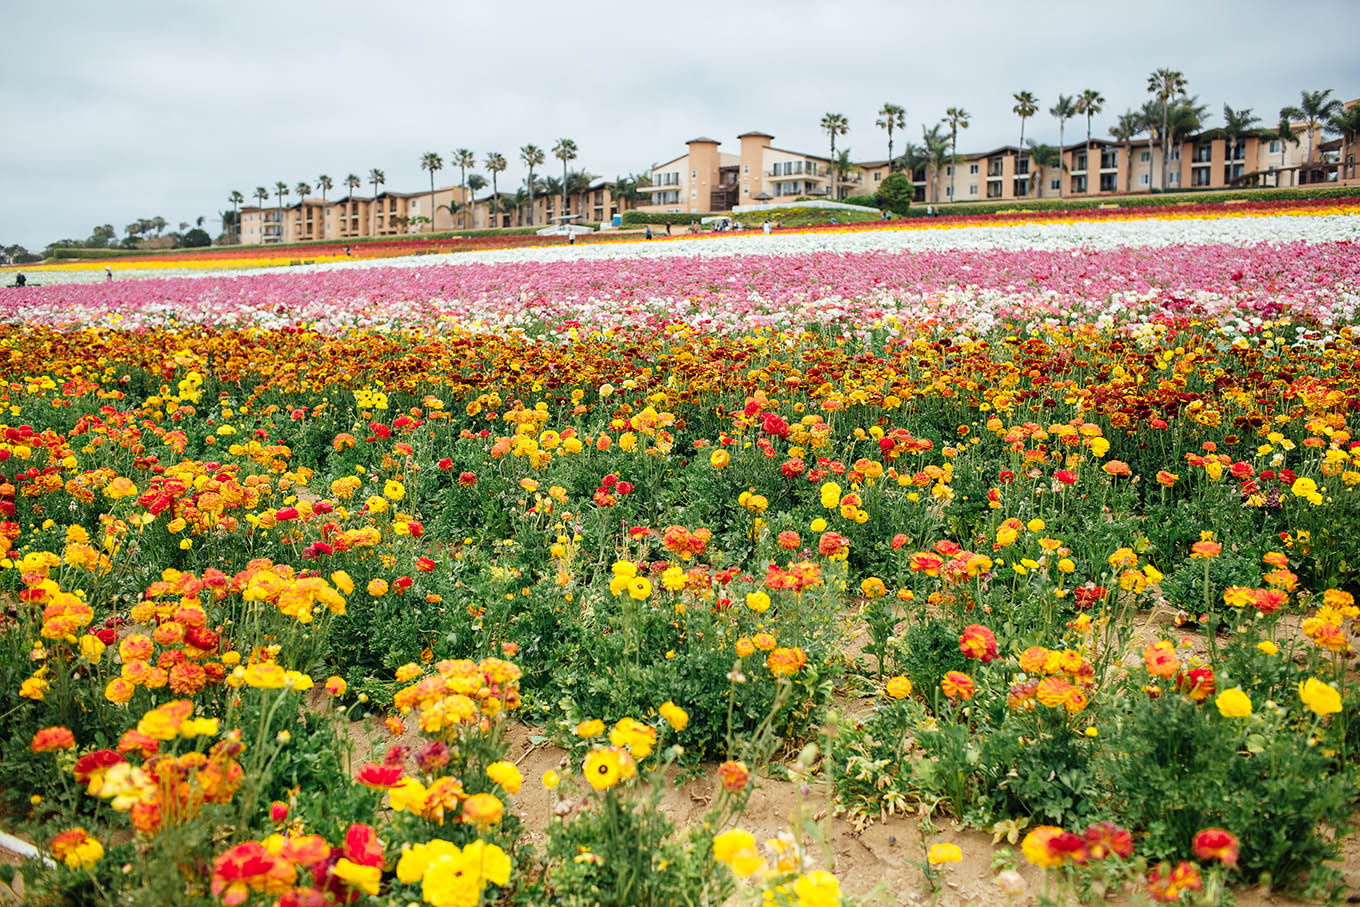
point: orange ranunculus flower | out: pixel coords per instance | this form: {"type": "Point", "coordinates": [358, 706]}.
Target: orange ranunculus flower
{"type": "Point", "coordinates": [958, 685]}
{"type": "Point", "coordinates": [734, 775]}
{"type": "Point", "coordinates": [50, 739]}
{"type": "Point", "coordinates": [978, 642]}
{"type": "Point", "coordinates": [483, 810]}
{"type": "Point", "coordinates": [785, 662]}
{"type": "Point", "coordinates": [1160, 659]}
{"type": "Point", "coordinates": [1216, 844]}
{"type": "Point", "coordinates": [249, 867]}
{"type": "Point", "coordinates": [1049, 847]}
{"type": "Point", "coordinates": [77, 848]}
{"type": "Point", "coordinates": [1205, 550]}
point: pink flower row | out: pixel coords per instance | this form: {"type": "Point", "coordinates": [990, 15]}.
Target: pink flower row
{"type": "Point", "coordinates": [956, 288]}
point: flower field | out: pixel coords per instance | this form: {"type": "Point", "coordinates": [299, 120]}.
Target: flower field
{"type": "Point", "coordinates": [1041, 527]}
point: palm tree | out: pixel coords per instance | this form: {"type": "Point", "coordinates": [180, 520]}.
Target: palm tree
{"type": "Point", "coordinates": [1026, 106]}
{"type": "Point", "coordinates": [937, 155]}
{"type": "Point", "coordinates": [1089, 104]}
{"type": "Point", "coordinates": [1152, 122]}
{"type": "Point", "coordinates": [236, 198]}
{"type": "Point", "coordinates": [432, 162]}
{"type": "Point", "coordinates": [463, 158]}
{"type": "Point", "coordinates": [302, 190]}
{"type": "Point", "coordinates": [281, 188]}
{"type": "Point", "coordinates": [957, 118]}
{"type": "Point", "coordinates": [262, 194]}
{"type": "Point", "coordinates": [1130, 123]}
{"type": "Point", "coordinates": [1284, 134]}
{"type": "Point", "coordinates": [1346, 123]}
{"type": "Point", "coordinates": [532, 156]}
{"type": "Point", "coordinates": [324, 185]}
{"type": "Point", "coordinates": [891, 116]}
{"type": "Point", "coordinates": [353, 182]}
{"type": "Point", "coordinates": [1064, 110]}
{"type": "Point", "coordinates": [495, 163]}
{"type": "Point", "coordinates": [843, 165]}
{"type": "Point", "coordinates": [1044, 157]}
{"type": "Point", "coordinates": [377, 178]}
{"type": "Point", "coordinates": [1235, 124]}
{"type": "Point", "coordinates": [834, 124]}
{"type": "Point", "coordinates": [476, 183]}
{"type": "Point", "coordinates": [1186, 117]}
{"type": "Point", "coordinates": [564, 150]}
{"type": "Point", "coordinates": [1314, 107]}
{"type": "Point", "coordinates": [1164, 84]}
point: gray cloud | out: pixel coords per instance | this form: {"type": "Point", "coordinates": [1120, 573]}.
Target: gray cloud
{"type": "Point", "coordinates": [119, 110]}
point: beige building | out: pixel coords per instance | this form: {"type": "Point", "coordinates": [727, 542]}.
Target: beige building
{"type": "Point", "coordinates": [706, 179]}
{"type": "Point", "coordinates": [399, 214]}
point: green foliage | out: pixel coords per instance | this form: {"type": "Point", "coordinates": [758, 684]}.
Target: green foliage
{"type": "Point", "coordinates": [896, 193]}
{"type": "Point", "coordinates": [196, 238]}
{"type": "Point", "coordinates": [928, 650]}
{"type": "Point", "coordinates": [1151, 200]}
{"type": "Point", "coordinates": [638, 218]}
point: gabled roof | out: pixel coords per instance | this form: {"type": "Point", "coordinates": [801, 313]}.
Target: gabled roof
{"type": "Point", "coordinates": [668, 163]}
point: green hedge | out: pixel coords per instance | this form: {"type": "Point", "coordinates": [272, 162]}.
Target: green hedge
{"type": "Point", "coordinates": [639, 218]}
{"type": "Point", "coordinates": [1192, 197]}
{"type": "Point", "coordinates": [103, 253]}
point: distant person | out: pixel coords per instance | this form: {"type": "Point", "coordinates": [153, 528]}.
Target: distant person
{"type": "Point", "coordinates": [668, 228]}
{"type": "Point", "coordinates": [571, 239]}
{"type": "Point", "coordinates": [649, 231]}
{"type": "Point", "coordinates": [347, 250]}
{"type": "Point", "coordinates": [766, 227]}
{"type": "Point", "coordinates": [108, 274]}
{"type": "Point", "coordinates": [20, 280]}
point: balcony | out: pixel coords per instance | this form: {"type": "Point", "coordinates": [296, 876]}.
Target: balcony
{"type": "Point", "coordinates": [805, 175]}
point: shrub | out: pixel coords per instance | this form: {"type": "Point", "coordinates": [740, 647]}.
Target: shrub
{"type": "Point", "coordinates": [896, 193]}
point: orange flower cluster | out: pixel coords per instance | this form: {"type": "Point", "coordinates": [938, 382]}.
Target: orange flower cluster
{"type": "Point", "coordinates": [460, 692]}
{"type": "Point", "coordinates": [1055, 679]}
{"type": "Point", "coordinates": [165, 790]}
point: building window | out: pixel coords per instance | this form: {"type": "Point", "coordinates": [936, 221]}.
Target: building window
{"type": "Point", "coordinates": [1109, 160]}
{"type": "Point", "coordinates": [693, 193]}
{"type": "Point", "coordinates": [1143, 179]}
{"type": "Point", "coordinates": [972, 190]}
{"type": "Point", "coordinates": [745, 168]}
{"type": "Point", "coordinates": [877, 176]}
{"type": "Point", "coordinates": [949, 171]}
{"type": "Point", "coordinates": [1079, 184]}
{"type": "Point", "coordinates": [1200, 177]}
{"type": "Point", "coordinates": [745, 190]}
{"type": "Point", "coordinates": [1175, 154]}
{"type": "Point", "coordinates": [1079, 161]}
{"type": "Point", "coordinates": [972, 169]}
{"type": "Point", "coordinates": [1275, 146]}
{"type": "Point", "coordinates": [1054, 185]}
{"type": "Point", "coordinates": [694, 174]}
{"type": "Point", "coordinates": [1144, 157]}
{"type": "Point", "coordinates": [949, 190]}
{"type": "Point", "coordinates": [1107, 182]}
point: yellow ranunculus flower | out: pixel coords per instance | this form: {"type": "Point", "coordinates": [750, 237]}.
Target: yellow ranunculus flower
{"type": "Point", "coordinates": [1233, 703]}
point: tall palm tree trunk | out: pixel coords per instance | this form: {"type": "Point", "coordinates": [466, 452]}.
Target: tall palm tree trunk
{"type": "Point", "coordinates": [1166, 144]}
{"type": "Point", "coordinates": [1060, 159]}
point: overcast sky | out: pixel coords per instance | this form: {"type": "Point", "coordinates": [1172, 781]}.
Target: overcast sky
{"type": "Point", "coordinates": [119, 110]}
